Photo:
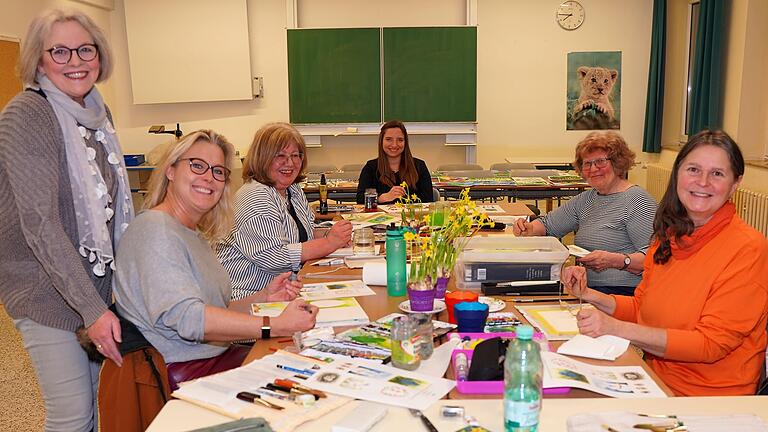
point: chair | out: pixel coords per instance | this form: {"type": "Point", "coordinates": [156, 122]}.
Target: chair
{"type": "Point", "coordinates": [506, 166]}
{"type": "Point", "coordinates": [321, 169]}
{"type": "Point", "coordinates": [470, 173]}
{"type": "Point", "coordinates": [544, 173]}
{"type": "Point", "coordinates": [352, 168]}
{"type": "Point", "coordinates": [459, 167]}
{"type": "Point", "coordinates": [344, 175]}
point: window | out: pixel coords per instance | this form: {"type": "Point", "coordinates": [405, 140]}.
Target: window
{"type": "Point", "coordinates": [693, 27]}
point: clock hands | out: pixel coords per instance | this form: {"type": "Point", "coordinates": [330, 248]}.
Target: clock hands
{"type": "Point", "coordinates": [564, 15]}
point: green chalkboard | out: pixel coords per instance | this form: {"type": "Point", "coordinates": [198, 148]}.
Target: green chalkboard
{"type": "Point", "coordinates": [430, 74]}
{"type": "Point", "coordinates": [334, 75]}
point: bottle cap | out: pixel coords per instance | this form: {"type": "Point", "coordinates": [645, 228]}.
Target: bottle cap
{"type": "Point", "coordinates": [322, 178]}
{"type": "Point", "coordinates": [524, 332]}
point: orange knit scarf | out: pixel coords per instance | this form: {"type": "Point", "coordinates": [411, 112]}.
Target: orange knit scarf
{"type": "Point", "coordinates": [690, 244]}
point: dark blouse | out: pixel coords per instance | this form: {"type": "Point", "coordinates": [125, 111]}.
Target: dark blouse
{"type": "Point", "coordinates": [369, 178]}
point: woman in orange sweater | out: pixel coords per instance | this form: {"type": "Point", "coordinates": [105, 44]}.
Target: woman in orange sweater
{"type": "Point", "coordinates": [700, 311]}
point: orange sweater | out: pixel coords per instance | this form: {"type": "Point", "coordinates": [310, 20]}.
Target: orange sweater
{"type": "Point", "coordinates": [714, 307]}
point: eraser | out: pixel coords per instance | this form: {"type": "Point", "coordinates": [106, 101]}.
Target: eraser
{"type": "Point", "coordinates": [352, 129]}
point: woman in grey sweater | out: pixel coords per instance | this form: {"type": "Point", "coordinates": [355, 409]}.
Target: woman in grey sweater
{"type": "Point", "coordinates": [64, 202]}
{"type": "Point", "coordinates": [613, 220]}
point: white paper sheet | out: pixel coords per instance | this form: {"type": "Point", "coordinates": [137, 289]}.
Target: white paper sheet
{"type": "Point", "coordinates": [606, 347]}
{"type": "Point", "coordinates": [614, 381]}
{"type": "Point", "coordinates": [331, 290]}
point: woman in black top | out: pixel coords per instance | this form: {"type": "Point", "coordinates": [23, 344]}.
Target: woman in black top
{"type": "Point", "coordinates": [394, 166]}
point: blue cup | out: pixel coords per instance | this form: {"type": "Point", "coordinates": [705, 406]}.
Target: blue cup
{"type": "Point", "coordinates": [470, 316]}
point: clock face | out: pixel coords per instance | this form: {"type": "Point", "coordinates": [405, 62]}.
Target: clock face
{"type": "Point", "coordinates": [570, 15]}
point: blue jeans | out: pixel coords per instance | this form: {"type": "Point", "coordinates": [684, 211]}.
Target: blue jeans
{"type": "Point", "coordinates": [68, 380]}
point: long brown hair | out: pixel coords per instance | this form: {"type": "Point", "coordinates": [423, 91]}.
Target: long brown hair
{"type": "Point", "coordinates": [407, 168]}
{"type": "Point", "coordinates": [672, 218]}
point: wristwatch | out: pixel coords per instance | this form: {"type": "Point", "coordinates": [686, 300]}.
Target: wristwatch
{"type": "Point", "coordinates": [265, 328]}
{"type": "Point", "coordinates": [627, 262]}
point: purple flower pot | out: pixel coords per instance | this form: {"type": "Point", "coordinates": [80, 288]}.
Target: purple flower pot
{"type": "Point", "coordinates": [440, 286]}
{"type": "Point", "coordinates": [421, 300]}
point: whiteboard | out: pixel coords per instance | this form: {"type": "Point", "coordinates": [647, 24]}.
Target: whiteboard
{"type": "Point", "coordinates": [188, 50]}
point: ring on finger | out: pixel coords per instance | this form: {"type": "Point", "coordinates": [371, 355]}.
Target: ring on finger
{"type": "Point", "coordinates": [98, 347]}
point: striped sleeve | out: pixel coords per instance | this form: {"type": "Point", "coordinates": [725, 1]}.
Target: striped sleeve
{"type": "Point", "coordinates": [641, 209]}
{"type": "Point", "coordinates": [265, 239]}
{"type": "Point", "coordinates": [565, 219]}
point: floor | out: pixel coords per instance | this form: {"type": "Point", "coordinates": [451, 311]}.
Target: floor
{"type": "Point", "coordinates": [21, 406]}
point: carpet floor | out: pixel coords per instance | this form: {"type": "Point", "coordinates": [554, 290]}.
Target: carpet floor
{"type": "Point", "coordinates": [21, 405]}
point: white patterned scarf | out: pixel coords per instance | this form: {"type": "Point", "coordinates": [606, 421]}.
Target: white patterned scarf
{"type": "Point", "coordinates": [90, 195]}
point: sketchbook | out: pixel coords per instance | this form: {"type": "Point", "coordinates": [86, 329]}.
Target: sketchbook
{"type": "Point", "coordinates": [614, 381]}
{"type": "Point", "coordinates": [331, 290]}
{"type": "Point", "coordinates": [218, 392]}
{"type": "Point", "coordinates": [332, 312]}
{"type": "Point", "coordinates": [363, 379]}
{"type": "Point", "coordinates": [554, 321]}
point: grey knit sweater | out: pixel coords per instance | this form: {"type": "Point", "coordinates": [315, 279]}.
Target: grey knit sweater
{"type": "Point", "coordinates": [42, 275]}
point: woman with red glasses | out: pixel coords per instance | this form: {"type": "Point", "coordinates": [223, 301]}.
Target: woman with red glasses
{"type": "Point", "coordinates": [274, 227]}
{"type": "Point", "coordinates": [613, 220]}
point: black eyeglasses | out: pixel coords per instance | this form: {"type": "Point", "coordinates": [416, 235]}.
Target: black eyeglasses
{"type": "Point", "coordinates": [62, 54]}
{"type": "Point", "coordinates": [200, 167]}
{"type": "Point", "coordinates": [597, 163]}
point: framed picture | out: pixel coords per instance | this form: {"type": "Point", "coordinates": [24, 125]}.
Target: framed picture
{"type": "Point", "coordinates": [594, 90]}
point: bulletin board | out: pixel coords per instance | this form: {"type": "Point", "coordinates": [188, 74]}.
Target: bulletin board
{"type": "Point", "coordinates": [10, 84]}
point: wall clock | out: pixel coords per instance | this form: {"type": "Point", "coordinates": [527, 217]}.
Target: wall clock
{"type": "Point", "coordinates": [570, 15]}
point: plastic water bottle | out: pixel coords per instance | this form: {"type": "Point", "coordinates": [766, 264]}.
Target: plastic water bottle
{"type": "Point", "coordinates": [522, 383]}
{"type": "Point", "coordinates": [396, 271]}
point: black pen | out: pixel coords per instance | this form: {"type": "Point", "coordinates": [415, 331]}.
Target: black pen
{"type": "Point", "coordinates": [255, 398]}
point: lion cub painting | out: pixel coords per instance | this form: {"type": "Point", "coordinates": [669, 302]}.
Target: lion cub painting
{"type": "Point", "coordinates": [596, 87]}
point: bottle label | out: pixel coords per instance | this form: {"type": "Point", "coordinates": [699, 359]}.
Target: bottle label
{"type": "Point", "coordinates": [521, 413]}
{"type": "Point", "coordinates": [404, 351]}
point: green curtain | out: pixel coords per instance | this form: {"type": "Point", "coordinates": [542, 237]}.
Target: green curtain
{"type": "Point", "coordinates": [654, 101]}
{"type": "Point", "coordinates": [707, 69]}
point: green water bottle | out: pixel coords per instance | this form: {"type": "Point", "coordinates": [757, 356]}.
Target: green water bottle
{"type": "Point", "coordinates": [523, 375]}
{"type": "Point", "coordinates": [396, 270]}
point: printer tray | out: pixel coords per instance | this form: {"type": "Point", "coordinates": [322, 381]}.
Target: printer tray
{"type": "Point", "coordinates": [503, 288]}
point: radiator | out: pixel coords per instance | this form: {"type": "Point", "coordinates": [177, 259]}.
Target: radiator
{"type": "Point", "coordinates": [750, 205]}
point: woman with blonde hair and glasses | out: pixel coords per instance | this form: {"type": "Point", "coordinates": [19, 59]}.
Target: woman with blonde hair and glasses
{"type": "Point", "coordinates": [613, 220]}
{"type": "Point", "coordinates": [169, 283]}
{"type": "Point", "coordinates": [64, 203]}
{"type": "Point", "coordinates": [274, 227]}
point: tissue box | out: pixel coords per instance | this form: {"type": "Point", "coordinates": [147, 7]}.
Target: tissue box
{"type": "Point", "coordinates": [504, 258]}
{"type": "Point", "coordinates": [134, 159]}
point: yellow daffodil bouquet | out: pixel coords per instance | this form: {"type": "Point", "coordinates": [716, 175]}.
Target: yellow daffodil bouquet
{"type": "Point", "coordinates": [441, 247]}
{"type": "Point", "coordinates": [410, 207]}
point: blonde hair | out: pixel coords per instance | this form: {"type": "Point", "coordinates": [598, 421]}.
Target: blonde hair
{"type": "Point", "coordinates": [217, 223]}
{"type": "Point", "coordinates": [32, 50]}
{"type": "Point", "coordinates": [267, 143]}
